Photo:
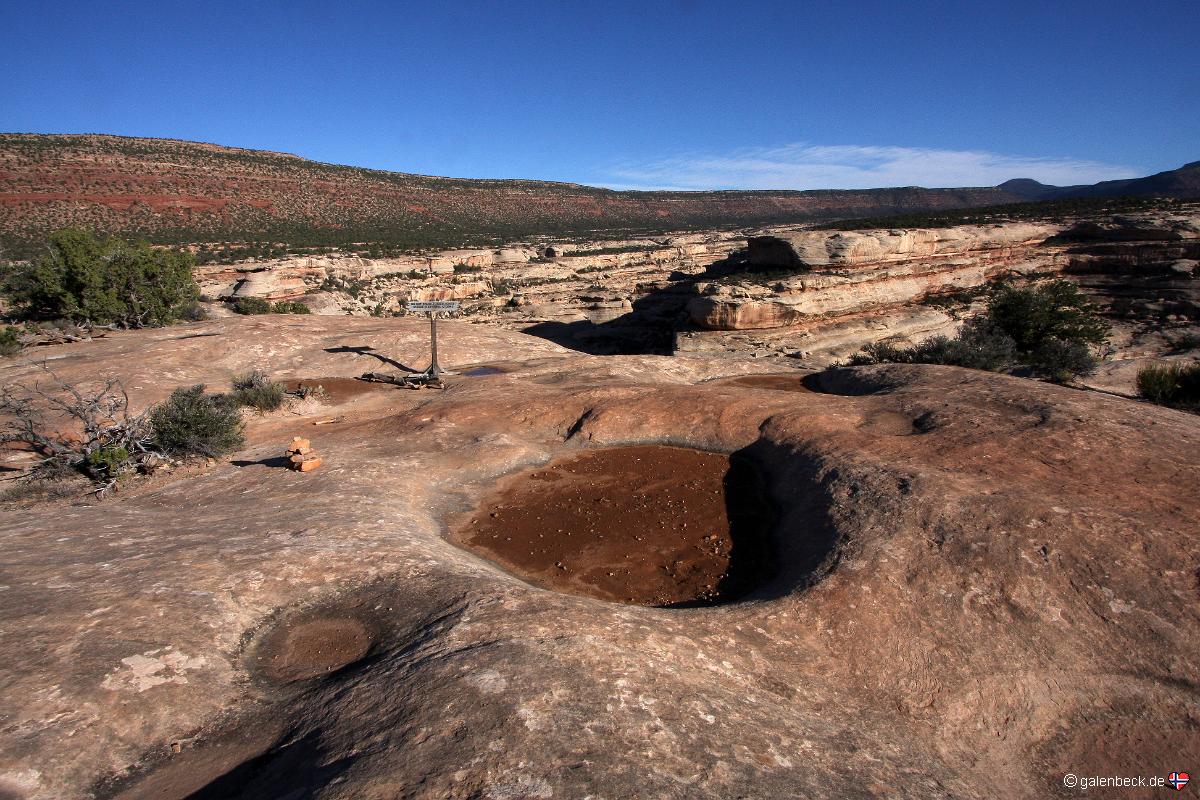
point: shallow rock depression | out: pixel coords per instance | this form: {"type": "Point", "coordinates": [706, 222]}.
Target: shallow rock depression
{"type": "Point", "coordinates": [646, 524]}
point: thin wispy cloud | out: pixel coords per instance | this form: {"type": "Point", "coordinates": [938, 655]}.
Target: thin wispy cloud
{"type": "Point", "coordinates": [806, 166]}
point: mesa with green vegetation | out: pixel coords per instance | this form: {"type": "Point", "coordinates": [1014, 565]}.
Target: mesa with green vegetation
{"type": "Point", "coordinates": [233, 203]}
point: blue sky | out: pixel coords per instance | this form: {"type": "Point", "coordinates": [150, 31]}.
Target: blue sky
{"type": "Point", "coordinates": [687, 94]}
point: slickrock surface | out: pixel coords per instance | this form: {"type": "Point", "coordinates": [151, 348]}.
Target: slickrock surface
{"type": "Point", "coordinates": [982, 582]}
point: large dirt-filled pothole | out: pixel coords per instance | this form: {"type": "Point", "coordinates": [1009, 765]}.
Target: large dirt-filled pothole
{"type": "Point", "coordinates": [646, 524]}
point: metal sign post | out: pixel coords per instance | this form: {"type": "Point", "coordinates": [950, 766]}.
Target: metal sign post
{"type": "Point", "coordinates": [432, 307]}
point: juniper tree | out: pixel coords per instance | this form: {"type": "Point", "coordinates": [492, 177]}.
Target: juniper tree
{"type": "Point", "coordinates": [104, 282]}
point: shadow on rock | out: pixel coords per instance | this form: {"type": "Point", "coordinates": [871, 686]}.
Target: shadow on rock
{"type": "Point", "coordinates": [856, 381]}
{"type": "Point", "coordinates": [274, 462]}
{"type": "Point", "coordinates": [800, 542]}
{"type": "Point", "coordinates": [366, 350]}
{"type": "Point", "coordinates": [304, 660]}
{"type": "Point", "coordinates": [294, 770]}
{"type": "Point", "coordinates": [651, 327]}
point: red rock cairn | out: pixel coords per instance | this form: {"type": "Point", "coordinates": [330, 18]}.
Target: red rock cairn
{"type": "Point", "coordinates": [301, 456]}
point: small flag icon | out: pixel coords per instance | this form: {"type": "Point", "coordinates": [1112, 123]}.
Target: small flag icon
{"type": "Point", "coordinates": [1178, 780]}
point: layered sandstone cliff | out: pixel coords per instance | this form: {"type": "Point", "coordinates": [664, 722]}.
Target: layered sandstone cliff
{"type": "Point", "coordinates": [838, 273]}
{"type": "Point", "coordinates": [782, 292]}
{"type": "Point", "coordinates": [821, 295]}
{"type": "Point", "coordinates": [552, 277]}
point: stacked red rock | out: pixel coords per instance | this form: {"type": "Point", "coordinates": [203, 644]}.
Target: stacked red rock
{"type": "Point", "coordinates": [301, 456]}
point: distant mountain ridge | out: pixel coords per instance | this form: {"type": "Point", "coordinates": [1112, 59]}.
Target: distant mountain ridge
{"type": "Point", "coordinates": [1181, 182]}
{"type": "Point", "coordinates": [176, 191]}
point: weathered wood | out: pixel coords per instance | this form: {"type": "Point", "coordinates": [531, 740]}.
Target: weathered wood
{"type": "Point", "coordinates": [419, 380]}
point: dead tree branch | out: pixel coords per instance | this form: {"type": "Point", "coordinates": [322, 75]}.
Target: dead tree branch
{"type": "Point", "coordinates": [90, 431]}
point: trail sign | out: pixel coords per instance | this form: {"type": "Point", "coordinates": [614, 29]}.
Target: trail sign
{"type": "Point", "coordinates": [428, 306]}
{"type": "Point", "coordinates": [432, 307]}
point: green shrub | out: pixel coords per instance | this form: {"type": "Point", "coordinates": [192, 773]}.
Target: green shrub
{"type": "Point", "coordinates": [1176, 385]}
{"type": "Point", "coordinates": [977, 346]}
{"type": "Point", "coordinates": [884, 353]}
{"type": "Point", "coordinates": [290, 307]}
{"type": "Point", "coordinates": [107, 463]}
{"type": "Point", "coordinates": [10, 342]}
{"type": "Point", "coordinates": [467, 268]}
{"type": "Point", "coordinates": [256, 390]}
{"type": "Point", "coordinates": [194, 313]}
{"type": "Point", "coordinates": [1060, 361]}
{"type": "Point", "coordinates": [1047, 327]}
{"type": "Point", "coordinates": [251, 305]}
{"type": "Point", "coordinates": [351, 286]}
{"type": "Point", "coordinates": [980, 346]}
{"type": "Point", "coordinates": [106, 282]}
{"type": "Point", "coordinates": [34, 489]}
{"type": "Point", "coordinates": [191, 422]}
{"type": "Point", "coordinates": [1033, 315]}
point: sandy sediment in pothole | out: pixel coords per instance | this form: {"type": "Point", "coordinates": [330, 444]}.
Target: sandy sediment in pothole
{"type": "Point", "coordinates": [643, 524]}
{"type": "Point", "coordinates": [981, 583]}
